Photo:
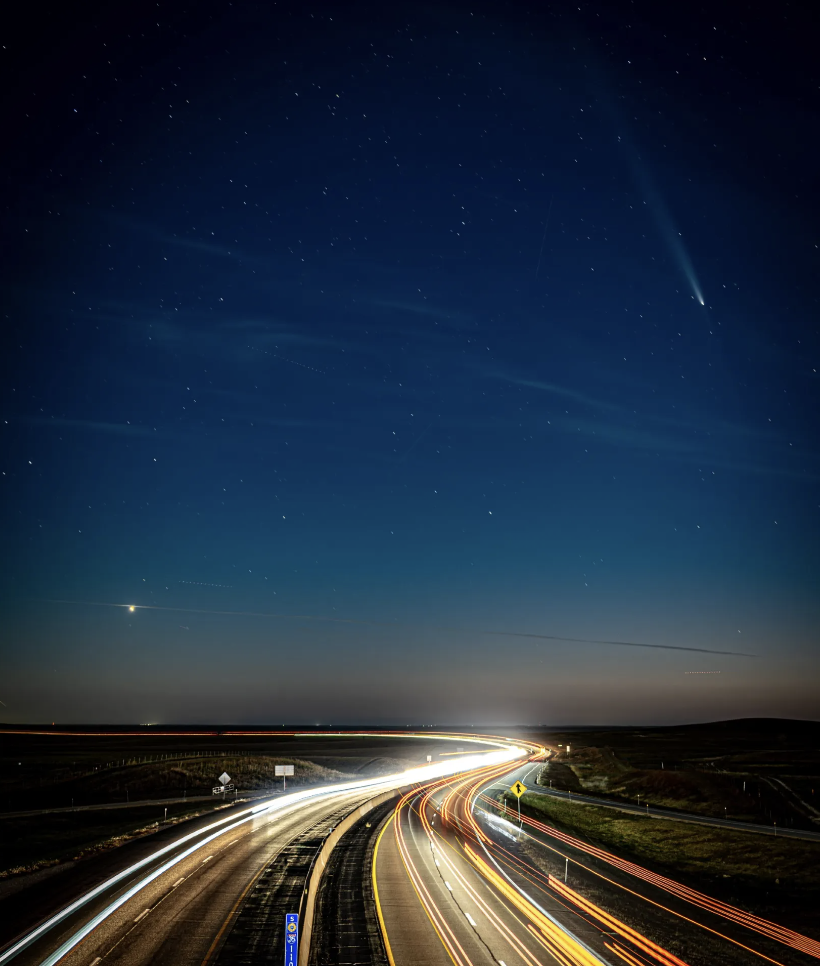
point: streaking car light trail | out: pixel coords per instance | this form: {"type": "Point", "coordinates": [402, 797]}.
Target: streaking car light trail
{"type": "Point", "coordinates": [650, 948]}
{"type": "Point", "coordinates": [538, 879]}
{"type": "Point", "coordinates": [433, 911]}
{"type": "Point", "coordinates": [500, 857]}
{"type": "Point", "coordinates": [397, 625]}
{"type": "Point", "coordinates": [423, 774]}
{"type": "Point", "coordinates": [764, 927]}
{"type": "Point", "coordinates": [554, 929]}
{"type": "Point", "coordinates": [559, 942]}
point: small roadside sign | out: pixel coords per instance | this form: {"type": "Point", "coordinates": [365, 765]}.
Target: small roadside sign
{"type": "Point", "coordinates": [224, 778]}
{"type": "Point", "coordinates": [291, 938]}
{"type": "Point", "coordinates": [518, 789]}
{"type": "Point", "coordinates": [283, 771]}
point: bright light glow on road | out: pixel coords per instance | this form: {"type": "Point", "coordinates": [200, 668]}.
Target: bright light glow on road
{"type": "Point", "coordinates": [504, 752]}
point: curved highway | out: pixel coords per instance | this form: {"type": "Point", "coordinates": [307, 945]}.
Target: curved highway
{"type": "Point", "coordinates": [217, 893]}
{"type": "Point", "coordinates": [458, 882]}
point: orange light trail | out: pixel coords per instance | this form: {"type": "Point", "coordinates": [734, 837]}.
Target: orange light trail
{"type": "Point", "coordinates": [456, 809]}
{"type": "Point", "coordinates": [764, 927]}
{"type": "Point", "coordinates": [659, 954]}
{"type": "Point", "coordinates": [538, 879]}
{"type": "Point", "coordinates": [494, 919]}
{"type": "Point", "coordinates": [635, 937]}
{"type": "Point", "coordinates": [562, 947]}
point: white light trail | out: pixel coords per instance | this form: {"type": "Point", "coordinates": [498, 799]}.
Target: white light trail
{"type": "Point", "coordinates": [421, 774]}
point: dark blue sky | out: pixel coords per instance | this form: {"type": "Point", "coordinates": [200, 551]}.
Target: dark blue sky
{"type": "Point", "coordinates": [440, 318]}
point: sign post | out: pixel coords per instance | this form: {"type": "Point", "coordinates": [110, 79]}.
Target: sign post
{"type": "Point", "coordinates": [283, 771]}
{"type": "Point", "coordinates": [518, 789]}
{"type": "Point", "coordinates": [291, 938]}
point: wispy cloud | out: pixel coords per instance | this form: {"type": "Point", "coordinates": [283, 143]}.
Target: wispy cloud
{"type": "Point", "coordinates": [91, 426]}
{"type": "Point", "coordinates": [452, 316]}
{"type": "Point", "coordinates": [696, 439]}
{"type": "Point", "coordinates": [562, 391]}
{"type": "Point", "coordinates": [199, 245]}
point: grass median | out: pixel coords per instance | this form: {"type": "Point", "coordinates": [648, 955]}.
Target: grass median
{"type": "Point", "coordinates": [691, 850]}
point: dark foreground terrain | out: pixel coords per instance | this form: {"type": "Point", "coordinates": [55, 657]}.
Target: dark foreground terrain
{"type": "Point", "coordinates": [68, 796]}
{"type": "Point", "coordinates": [762, 771]}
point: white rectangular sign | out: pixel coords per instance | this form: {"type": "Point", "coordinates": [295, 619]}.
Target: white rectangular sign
{"type": "Point", "coordinates": [281, 770]}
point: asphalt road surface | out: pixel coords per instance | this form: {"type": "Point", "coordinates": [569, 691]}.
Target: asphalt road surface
{"type": "Point", "coordinates": [447, 877]}
{"type": "Point", "coordinates": [184, 916]}
{"type": "Point", "coordinates": [439, 909]}
{"type": "Point", "coordinates": [465, 885]}
{"type": "Point", "coordinates": [214, 891]}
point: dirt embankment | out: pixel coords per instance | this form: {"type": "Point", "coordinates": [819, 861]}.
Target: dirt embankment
{"type": "Point", "coordinates": [599, 771]}
{"type": "Point", "coordinates": [172, 778]}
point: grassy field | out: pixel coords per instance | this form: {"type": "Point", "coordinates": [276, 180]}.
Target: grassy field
{"type": "Point", "coordinates": [599, 771]}
{"type": "Point", "coordinates": [759, 770]}
{"type": "Point", "coordinates": [63, 769]}
{"type": "Point", "coordinates": [690, 850]}
{"type": "Point", "coordinates": [45, 769]}
{"type": "Point", "coordinates": [776, 878]}
{"type": "Point", "coordinates": [163, 779]}
{"type": "Point", "coordinates": [31, 843]}
{"type": "Point", "coordinates": [197, 776]}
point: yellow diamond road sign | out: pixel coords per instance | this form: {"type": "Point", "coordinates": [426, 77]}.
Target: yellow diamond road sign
{"type": "Point", "coordinates": [518, 789]}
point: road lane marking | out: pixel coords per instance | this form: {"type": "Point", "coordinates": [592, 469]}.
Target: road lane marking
{"type": "Point", "coordinates": [142, 915]}
{"type": "Point", "coordinates": [178, 882]}
{"type": "Point", "coordinates": [265, 866]}
{"type": "Point", "coordinates": [97, 960]}
{"type": "Point", "coordinates": [207, 859]}
{"type": "Point", "coordinates": [281, 805]}
{"type": "Point", "coordinates": [470, 919]}
{"type": "Point", "coordinates": [448, 885]}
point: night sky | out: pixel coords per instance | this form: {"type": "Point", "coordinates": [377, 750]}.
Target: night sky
{"type": "Point", "coordinates": [420, 321]}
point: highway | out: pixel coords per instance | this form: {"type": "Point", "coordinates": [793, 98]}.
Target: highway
{"type": "Point", "coordinates": [487, 892]}
{"type": "Point", "coordinates": [182, 915]}
{"type": "Point", "coordinates": [443, 874]}
{"type": "Point", "coordinates": [217, 893]}
{"type": "Point", "coordinates": [441, 903]}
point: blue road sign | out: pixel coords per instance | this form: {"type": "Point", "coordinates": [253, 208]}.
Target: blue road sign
{"type": "Point", "coordinates": [291, 938]}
